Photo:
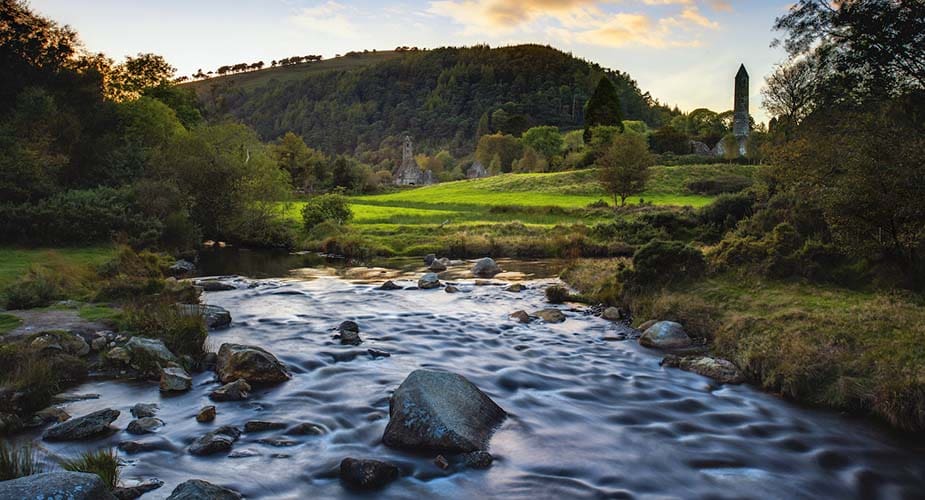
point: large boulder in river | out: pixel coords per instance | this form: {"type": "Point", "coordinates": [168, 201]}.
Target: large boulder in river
{"type": "Point", "coordinates": [365, 474]}
{"type": "Point", "coordinates": [550, 315]}
{"type": "Point", "coordinates": [53, 485]}
{"type": "Point", "coordinates": [665, 335]}
{"type": "Point", "coordinates": [440, 411]}
{"type": "Point", "coordinates": [251, 363]}
{"type": "Point", "coordinates": [91, 425]}
{"type": "Point", "coordinates": [485, 268]}
{"type": "Point", "coordinates": [428, 281]}
{"type": "Point", "coordinates": [721, 370]}
{"type": "Point", "coordinates": [147, 354]}
{"type": "Point", "coordinates": [197, 489]}
{"type": "Point", "coordinates": [175, 379]}
{"type": "Point", "coordinates": [214, 316]}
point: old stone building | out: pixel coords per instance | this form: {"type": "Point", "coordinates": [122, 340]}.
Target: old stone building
{"type": "Point", "coordinates": [409, 173]}
{"type": "Point", "coordinates": [476, 171]}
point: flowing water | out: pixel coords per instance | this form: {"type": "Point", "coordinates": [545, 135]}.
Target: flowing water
{"type": "Point", "coordinates": [588, 417]}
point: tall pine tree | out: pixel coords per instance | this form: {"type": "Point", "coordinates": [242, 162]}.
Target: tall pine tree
{"type": "Point", "coordinates": [603, 108]}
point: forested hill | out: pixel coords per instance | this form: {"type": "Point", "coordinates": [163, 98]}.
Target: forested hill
{"type": "Point", "coordinates": [444, 97]}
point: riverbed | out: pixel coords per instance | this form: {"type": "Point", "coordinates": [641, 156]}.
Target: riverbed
{"type": "Point", "coordinates": [589, 416]}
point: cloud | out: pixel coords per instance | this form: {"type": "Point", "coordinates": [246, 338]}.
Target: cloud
{"type": "Point", "coordinates": [591, 22]}
{"type": "Point", "coordinates": [329, 18]}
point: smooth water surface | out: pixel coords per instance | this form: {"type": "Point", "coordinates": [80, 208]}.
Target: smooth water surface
{"type": "Point", "coordinates": [589, 418]}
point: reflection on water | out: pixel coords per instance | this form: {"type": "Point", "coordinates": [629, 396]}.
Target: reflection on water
{"type": "Point", "coordinates": [588, 418]}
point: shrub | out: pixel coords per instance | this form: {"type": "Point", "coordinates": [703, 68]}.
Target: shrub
{"type": "Point", "coordinates": [727, 210]}
{"type": "Point", "coordinates": [719, 185]}
{"type": "Point", "coordinates": [17, 462]}
{"type": "Point", "coordinates": [660, 263]}
{"type": "Point", "coordinates": [556, 294]}
{"type": "Point", "coordinates": [263, 231]}
{"type": "Point", "coordinates": [184, 334]}
{"type": "Point", "coordinates": [104, 463]}
{"type": "Point", "coordinates": [327, 207]}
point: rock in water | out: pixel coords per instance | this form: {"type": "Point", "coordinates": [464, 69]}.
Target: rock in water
{"type": "Point", "coordinates": [429, 259]}
{"type": "Point", "coordinates": [253, 364]}
{"type": "Point", "coordinates": [196, 489]}
{"type": "Point", "coordinates": [439, 265]}
{"type": "Point", "coordinates": [428, 281]}
{"type": "Point", "coordinates": [721, 370]}
{"type": "Point", "coordinates": [521, 316]}
{"type": "Point", "coordinates": [142, 410]}
{"type": "Point", "coordinates": [84, 427]}
{"type": "Point", "coordinates": [207, 414]}
{"type": "Point", "coordinates": [218, 441]}
{"type": "Point", "coordinates": [215, 285]}
{"type": "Point", "coordinates": [366, 474]}
{"type": "Point", "coordinates": [130, 492]}
{"type": "Point", "coordinates": [175, 379]}
{"type": "Point", "coordinates": [349, 333]}
{"type": "Point", "coordinates": [550, 315]}
{"type": "Point", "coordinates": [516, 288]}
{"type": "Point", "coordinates": [214, 316]}
{"type": "Point", "coordinates": [485, 268]}
{"type": "Point", "coordinates": [478, 459]}
{"type": "Point", "coordinates": [261, 426]}
{"type": "Point", "coordinates": [146, 352]}
{"type": "Point", "coordinates": [234, 391]}
{"type": "Point", "coordinates": [612, 314]}
{"type": "Point", "coordinates": [144, 425]}
{"type": "Point", "coordinates": [389, 285]}
{"type": "Point", "coordinates": [440, 411]}
{"type": "Point", "coordinates": [181, 267]}
{"type": "Point", "coordinates": [451, 289]}
{"type": "Point", "coordinates": [54, 485]}
{"type": "Point", "coordinates": [665, 335]}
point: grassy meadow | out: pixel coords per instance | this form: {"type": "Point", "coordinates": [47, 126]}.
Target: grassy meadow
{"type": "Point", "coordinates": [15, 261]}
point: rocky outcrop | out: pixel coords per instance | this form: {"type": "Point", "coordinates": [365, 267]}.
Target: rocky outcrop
{"type": "Point", "coordinates": [65, 342]}
{"type": "Point", "coordinates": [428, 281]}
{"type": "Point", "coordinates": [485, 268]}
{"type": "Point", "coordinates": [175, 379]}
{"type": "Point", "coordinates": [665, 335]}
{"type": "Point", "coordinates": [440, 411]}
{"type": "Point", "coordinates": [87, 426]}
{"type": "Point", "coordinates": [218, 441]}
{"type": "Point", "coordinates": [365, 474]}
{"type": "Point", "coordinates": [550, 315]}
{"type": "Point", "coordinates": [253, 364]}
{"type": "Point", "coordinates": [55, 485]}
{"type": "Point", "coordinates": [232, 391]}
{"type": "Point", "coordinates": [721, 370]}
{"type": "Point", "coordinates": [196, 489]}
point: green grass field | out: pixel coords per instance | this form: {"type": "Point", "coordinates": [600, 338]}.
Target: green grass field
{"type": "Point", "coordinates": [14, 262]}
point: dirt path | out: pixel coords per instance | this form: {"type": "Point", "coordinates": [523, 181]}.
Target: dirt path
{"type": "Point", "coordinates": [38, 320]}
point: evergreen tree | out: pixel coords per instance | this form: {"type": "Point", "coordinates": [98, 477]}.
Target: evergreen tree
{"type": "Point", "coordinates": [484, 127]}
{"type": "Point", "coordinates": [603, 108]}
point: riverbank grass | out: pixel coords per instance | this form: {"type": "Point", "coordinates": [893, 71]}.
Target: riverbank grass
{"type": "Point", "coordinates": [816, 344]}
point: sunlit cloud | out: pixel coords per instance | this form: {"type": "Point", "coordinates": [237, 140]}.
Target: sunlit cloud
{"type": "Point", "coordinates": [610, 23]}
{"type": "Point", "coordinates": [329, 18]}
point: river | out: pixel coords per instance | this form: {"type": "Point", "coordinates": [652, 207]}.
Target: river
{"type": "Point", "coordinates": [588, 417]}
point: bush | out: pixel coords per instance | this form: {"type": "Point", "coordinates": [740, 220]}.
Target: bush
{"type": "Point", "coordinates": [104, 463]}
{"type": "Point", "coordinates": [557, 294]}
{"type": "Point", "coordinates": [327, 207]}
{"type": "Point", "coordinates": [719, 185]}
{"type": "Point", "coordinates": [727, 210]}
{"type": "Point", "coordinates": [18, 462]}
{"type": "Point", "coordinates": [183, 334]}
{"type": "Point", "coordinates": [660, 263]}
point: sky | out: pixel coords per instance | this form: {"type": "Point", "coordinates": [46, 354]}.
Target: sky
{"type": "Point", "coordinates": [683, 52]}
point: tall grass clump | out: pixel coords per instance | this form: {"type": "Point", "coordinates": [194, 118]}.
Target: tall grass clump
{"type": "Point", "coordinates": [54, 279]}
{"type": "Point", "coordinates": [183, 333]}
{"type": "Point", "coordinates": [104, 463]}
{"type": "Point", "coordinates": [17, 462]}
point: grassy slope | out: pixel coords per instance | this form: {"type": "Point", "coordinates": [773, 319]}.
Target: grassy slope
{"type": "Point", "coordinates": [254, 79]}
{"type": "Point", "coordinates": [469, 202]}
{"type": "Point", "coordinates": [16, 261]}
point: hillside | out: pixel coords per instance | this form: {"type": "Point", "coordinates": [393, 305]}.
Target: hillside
{"type": "Point", "coordinates": [355, 103]}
